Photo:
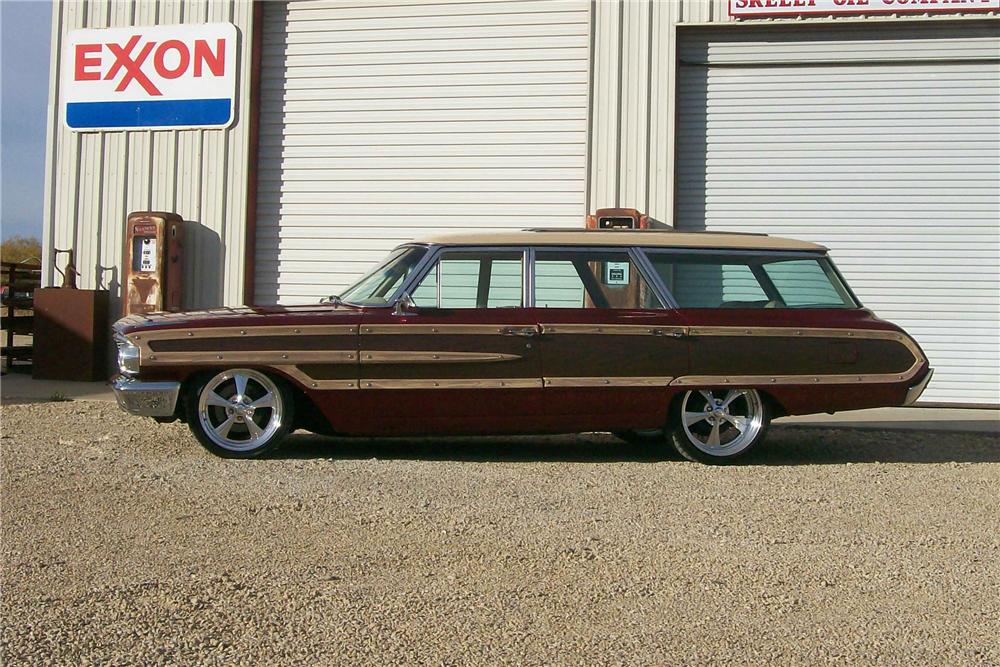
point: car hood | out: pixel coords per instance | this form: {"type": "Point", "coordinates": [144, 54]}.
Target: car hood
{"type": "Point", "coordinates": [242, 317]}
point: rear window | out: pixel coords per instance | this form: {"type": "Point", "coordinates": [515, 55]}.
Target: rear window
{"type": "Point", "coordinates": [699, 280]}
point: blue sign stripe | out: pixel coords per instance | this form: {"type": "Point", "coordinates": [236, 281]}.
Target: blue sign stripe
{"type": "Point", "coordinates": [152, 113]}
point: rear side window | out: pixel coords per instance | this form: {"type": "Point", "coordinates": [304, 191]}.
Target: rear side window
{"type": "Point", "coordinates": [750, 281]}
{"type": "Point", "coordinates": [590, 279]}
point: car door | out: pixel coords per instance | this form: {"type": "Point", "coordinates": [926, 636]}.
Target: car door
{"type": "Point", "coordinates": [610, 346]}
{"type": "Point", "coordinates": [463, 356]}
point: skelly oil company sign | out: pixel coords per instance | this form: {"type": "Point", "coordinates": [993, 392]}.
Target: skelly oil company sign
{"type": "Point", "coordinates": [760, 8]}
{"type": "Point", "coordinates": [156, 77]}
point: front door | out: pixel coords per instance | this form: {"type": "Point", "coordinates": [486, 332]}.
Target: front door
{"type": "Point", "coordinates": [609, 346]}
{"type": "Point", "coordinates": [464, 359]}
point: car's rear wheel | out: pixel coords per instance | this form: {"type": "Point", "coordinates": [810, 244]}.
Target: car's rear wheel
{"type": "Point", "coordinates": [719, 426]}
{"type": "Point", "coordinates": [239, 413]}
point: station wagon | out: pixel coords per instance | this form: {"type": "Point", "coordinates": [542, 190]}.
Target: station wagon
{"type": "Point", "coordinates": [691, 339]}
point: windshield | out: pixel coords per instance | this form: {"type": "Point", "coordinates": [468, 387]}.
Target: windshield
{"type": "Point", "coordinates": [376, 286]}
{"type": "Point", "coordinates": [751, 281]}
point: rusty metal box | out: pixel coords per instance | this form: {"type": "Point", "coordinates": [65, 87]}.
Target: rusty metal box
{"type": "Point", "coordinates": [71, 334]}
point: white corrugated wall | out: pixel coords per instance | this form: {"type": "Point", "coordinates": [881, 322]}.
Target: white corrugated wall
{"type": "Point", "coordinates": [385, 120]}
{"type": "Point", "coordinates": [881, 143]}
{"type": "Point", "coordinates": [94, 179]}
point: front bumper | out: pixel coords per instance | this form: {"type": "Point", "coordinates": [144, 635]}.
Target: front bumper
{"type": "Point", "coordinates": [916, 390]}
{"type": "Point", "coordinates": [147, 399]}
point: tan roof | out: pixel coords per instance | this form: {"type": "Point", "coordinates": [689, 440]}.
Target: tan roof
{"type": "Point", "coordinates": [660, 238]}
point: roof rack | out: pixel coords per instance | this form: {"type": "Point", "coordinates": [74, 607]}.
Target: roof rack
{"type": "Point", "coordinates": [670, 230]}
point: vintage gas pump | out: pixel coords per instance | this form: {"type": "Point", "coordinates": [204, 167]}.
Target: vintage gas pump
{"type": "Point", "coordinates": [154, 261]}
{"type": "Point", "coordinates": [617, 218]}
{"type": "Point", "coordinates": [622, 287]}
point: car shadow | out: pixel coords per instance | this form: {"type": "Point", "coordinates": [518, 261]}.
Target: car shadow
{"type": "Point", "coordinates": [786, 445]}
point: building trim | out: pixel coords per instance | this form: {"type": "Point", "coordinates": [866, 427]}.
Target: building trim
{"type": "Point", "coordinates": [253, 152]}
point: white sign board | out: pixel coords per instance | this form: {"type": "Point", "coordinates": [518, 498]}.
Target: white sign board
{"type": "Point", "coordinates": [155, 77]}
{"type": "Point", "coordinates": [616, 273]}
{"type": "Point", "coordinates": [759, 8]}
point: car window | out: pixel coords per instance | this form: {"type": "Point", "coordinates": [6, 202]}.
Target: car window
{"type": "Point", "coordinates": [590, 279]}
{"type": "Point", "coordinates": [699, 280]}
{"type": "Point", "coordinates": [464, 279]}
{"type": "Point", "coordinates": [803, 283]}
{"type": "Point", "coordinates": [381, 282]}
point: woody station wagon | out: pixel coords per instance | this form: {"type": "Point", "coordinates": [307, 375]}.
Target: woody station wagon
{"type": "Point", "coordinates": [697, 339]}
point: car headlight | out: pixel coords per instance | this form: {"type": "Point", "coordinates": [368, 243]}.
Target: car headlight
{"type": "Point", "coordinates": [128, 356]}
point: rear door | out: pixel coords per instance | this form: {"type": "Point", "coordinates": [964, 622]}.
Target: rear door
{"type": "Point", "coordinates": [610, 346]}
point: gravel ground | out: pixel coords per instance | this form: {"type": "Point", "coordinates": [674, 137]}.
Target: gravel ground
{"type": "Point", "coordinates": [125, 543]}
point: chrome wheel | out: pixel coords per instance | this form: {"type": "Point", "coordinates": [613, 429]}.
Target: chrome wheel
{"type": "Point", "coordinates": [240, 410]}
{"type": "Point", "coordinates": [723, 423]}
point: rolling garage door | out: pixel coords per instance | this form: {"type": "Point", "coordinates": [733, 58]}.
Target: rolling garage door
{"type": "Point", "coordinates": [882, 143]}
{"type": "Point", "coordinates": [386, 120]}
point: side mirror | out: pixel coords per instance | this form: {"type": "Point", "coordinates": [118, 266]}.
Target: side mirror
{"type": "Point", "coordinates": [404, 305]}
{"type": "Point", "coordinates": [333, 300]}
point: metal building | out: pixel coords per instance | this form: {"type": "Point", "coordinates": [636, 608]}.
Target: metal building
{"type": "Point", "coordinates": [362, 124]}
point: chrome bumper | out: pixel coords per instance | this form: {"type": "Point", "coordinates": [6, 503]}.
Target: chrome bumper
{"type": "Point", "coordinates": [148, 399]}
{"type": "Point", "coordinates": [916, 390]}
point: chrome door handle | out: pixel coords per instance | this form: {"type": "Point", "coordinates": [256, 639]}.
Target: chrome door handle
{"type": "Point", "coordinates": [521, 331]}
{"type": "Point", "coordinates": [672, 334]}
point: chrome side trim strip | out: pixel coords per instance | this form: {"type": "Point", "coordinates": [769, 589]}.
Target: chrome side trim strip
{"type": "Point", "coordinates": [444, 329]}
{"type": "Point", "coordinates": [248, 331]}
{"type": "Point", "coordinates": [497, 383]}
{"type": "Point", "coordinates": [252, 357]}
{"type": "Point", "coordinates": [313, 383]}
{"type": "Point", "coordinates": [763, 380]}
{"type": "Point", "coordinates": [612, 329]}
{"type": "Point", "coordinates": [404, 356]}
{"type": "Point", "coordinates": [607, 382]}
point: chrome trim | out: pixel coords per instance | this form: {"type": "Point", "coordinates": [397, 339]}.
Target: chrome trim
{"type": "Point", "coordinates": [614, 330]}
{"type": "Point", "coordinates": [250, 357]}
{"type": "Point", "coordinates": [444, 329]}
{"type": "Point", "coordinates": [418, 269]}
{"type": "Point", "coordinates": [491, 383]}
{"type": "Point", "coordinates": [764, 380]}
{"type": "Point", "coordinates": [246, 331]}
{"type": "Point", "coordinates": [607, 381]}
{"type": "Point", "coordinates": [431, 356]}
{"type": "Point", "coordinates": [914, 392]}
{"type": "Point", "coordinates": [146, 399]}
{"type": "Point", "coordinates": [655, 280]}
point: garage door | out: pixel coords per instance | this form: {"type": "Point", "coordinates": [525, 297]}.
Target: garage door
{"type": "Point", "coordinates": [881, 143]}
{"type": "Point", "coordinates": [386, 120]}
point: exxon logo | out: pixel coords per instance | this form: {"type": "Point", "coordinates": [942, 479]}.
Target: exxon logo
{"type": "Point", "coordinates": [159, 77]}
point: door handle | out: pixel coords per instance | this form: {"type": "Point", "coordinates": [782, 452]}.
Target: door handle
{"type": "Point", "coordinates": [673, 334]}
{"type": "Point", "coordinates": [527, 332]}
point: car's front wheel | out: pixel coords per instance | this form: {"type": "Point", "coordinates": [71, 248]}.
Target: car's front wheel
{"type": "Point", "coordinates": [719, 426]}
{"type": "Point", "coordinates": [239, 413]}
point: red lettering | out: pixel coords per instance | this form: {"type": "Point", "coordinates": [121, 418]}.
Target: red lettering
{"type": "Point", "coordinates": [84, 62]}
{"type": "Point", "coordinates": [741, 4]}
{"type": "Point", "coordinates": [216, 62]}
{"type": "Point", "coordinates": [133, 67]}
{"type": "Point", "coordinates": [183, 62]}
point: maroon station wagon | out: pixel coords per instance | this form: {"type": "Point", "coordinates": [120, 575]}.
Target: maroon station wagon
{"type": "Point", "coordinates": [696, 339]}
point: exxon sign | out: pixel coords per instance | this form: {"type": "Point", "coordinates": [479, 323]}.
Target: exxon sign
{"type": "Point", "coordinates": [157, 77]}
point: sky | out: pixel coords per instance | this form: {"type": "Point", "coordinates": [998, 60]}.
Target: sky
{"type": "Point", "coordinates": [25, 29]}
